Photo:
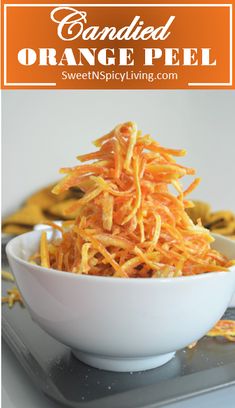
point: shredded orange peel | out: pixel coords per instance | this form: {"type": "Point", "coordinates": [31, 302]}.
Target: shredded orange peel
{"type": "Point", "coordinates": [13, 296]}
{"type": "Point", "coordinates": [129, 223]}
{"type": "Point", "coordinates": [223, 328]}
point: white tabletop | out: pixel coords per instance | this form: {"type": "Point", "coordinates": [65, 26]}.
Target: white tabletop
{"type": "Point", "coordinates": [19, 392]}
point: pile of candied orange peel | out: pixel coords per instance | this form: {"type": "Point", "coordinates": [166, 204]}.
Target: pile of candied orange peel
{"type": "Point", "coordinates": [130, 223]}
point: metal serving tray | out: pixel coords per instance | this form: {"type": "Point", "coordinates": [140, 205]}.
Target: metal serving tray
{"type": "Point", "coordinates": [53, 368]}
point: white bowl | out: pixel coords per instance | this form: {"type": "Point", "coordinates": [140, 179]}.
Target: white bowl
{"type": "Point", "coordinates": [120, 324]}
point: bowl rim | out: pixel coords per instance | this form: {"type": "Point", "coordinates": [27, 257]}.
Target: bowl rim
{"type": "Point", "coordinates": [70, 275]}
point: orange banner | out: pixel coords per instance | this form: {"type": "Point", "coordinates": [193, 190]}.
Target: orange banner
{"type": "Point", "coordinates": [117, 46]}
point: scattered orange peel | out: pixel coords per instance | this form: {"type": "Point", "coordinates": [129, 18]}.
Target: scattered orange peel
{"type": "Point", "coordinates": [13, 297]}
{"type": "Point", "coordinates": [223, 328]}
{"type": "Point", "coordinates": [8, 276]}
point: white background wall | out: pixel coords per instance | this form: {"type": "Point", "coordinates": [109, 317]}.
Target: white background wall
{"type": "Point", "coordinates": [44, 130]}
